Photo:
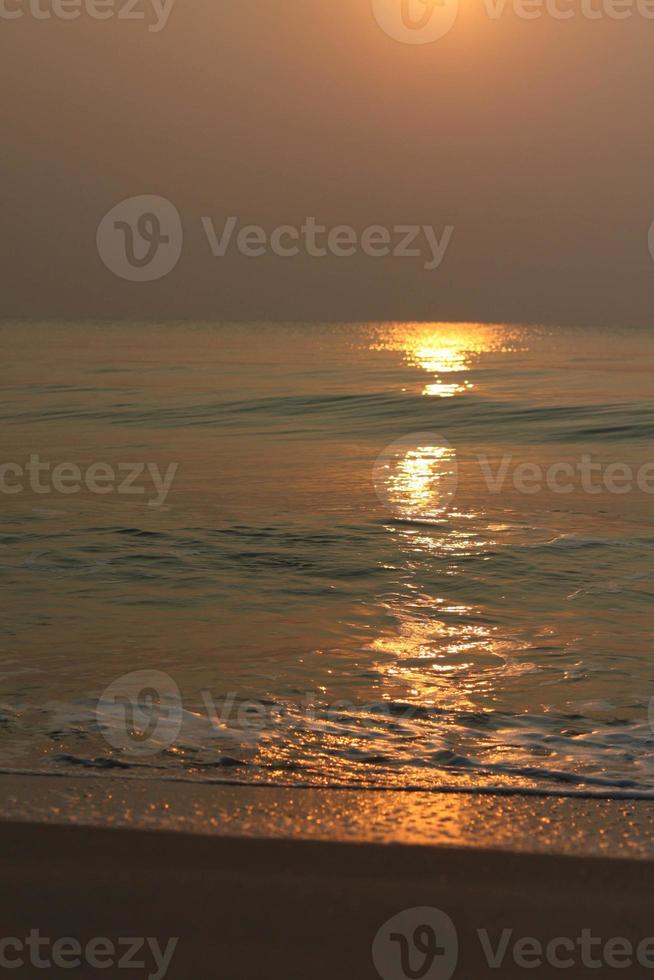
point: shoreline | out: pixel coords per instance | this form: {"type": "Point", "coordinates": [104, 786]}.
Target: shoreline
{"type": "Point", "coordinates": [556, 825]}
{"type": "Point", "coordinates": [532, 792]}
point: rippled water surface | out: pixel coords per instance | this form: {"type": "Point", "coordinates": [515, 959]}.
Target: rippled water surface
{"type": "Point", "coordinates": [349, 581]}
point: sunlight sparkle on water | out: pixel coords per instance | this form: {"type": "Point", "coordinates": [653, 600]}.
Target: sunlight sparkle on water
{"type": "Point", "coordinates": [446, 349]}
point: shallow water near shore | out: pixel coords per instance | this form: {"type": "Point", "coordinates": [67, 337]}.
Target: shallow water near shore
{"type": "Point", "coordinates": [349, 580]}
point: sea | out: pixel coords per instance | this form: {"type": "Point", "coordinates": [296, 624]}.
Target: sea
{"type": "Point", "coordinates": [376, 555]}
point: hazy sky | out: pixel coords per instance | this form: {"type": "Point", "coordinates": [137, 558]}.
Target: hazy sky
{"type": "Point", "coordinates": [532, 138]}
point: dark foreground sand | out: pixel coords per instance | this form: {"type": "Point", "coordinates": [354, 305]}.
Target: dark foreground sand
{"type": "Point", "coordinates": [251, 907]}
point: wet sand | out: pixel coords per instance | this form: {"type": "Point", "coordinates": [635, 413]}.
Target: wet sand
{"type": "Point", "coordinates": [551, 825]}
{"type": "Point", "coordinates": [251, 902]}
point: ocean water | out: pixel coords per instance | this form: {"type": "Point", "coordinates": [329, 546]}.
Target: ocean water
{"type": "Point", "coordinates": [389, 555]}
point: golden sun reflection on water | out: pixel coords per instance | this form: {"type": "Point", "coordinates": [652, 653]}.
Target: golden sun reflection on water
{"type": "Point", "coordinates": [446, 349]}
{"type": "Point", "coordinates": [436, 653]}
{"type": "Point", "coordinates": [439, 653]}
{"type": "Point", "coordinates": [415, 478]}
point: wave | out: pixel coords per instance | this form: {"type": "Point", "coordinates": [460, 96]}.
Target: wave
{"type": "Point", "coordinates": [391, 413]}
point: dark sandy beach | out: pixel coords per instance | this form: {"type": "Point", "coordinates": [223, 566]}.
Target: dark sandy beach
{"type": "Point", "coordinates": [246, 901]}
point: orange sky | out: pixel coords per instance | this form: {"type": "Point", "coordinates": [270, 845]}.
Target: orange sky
{"type": "Point", "coordinates": [531, 137]}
